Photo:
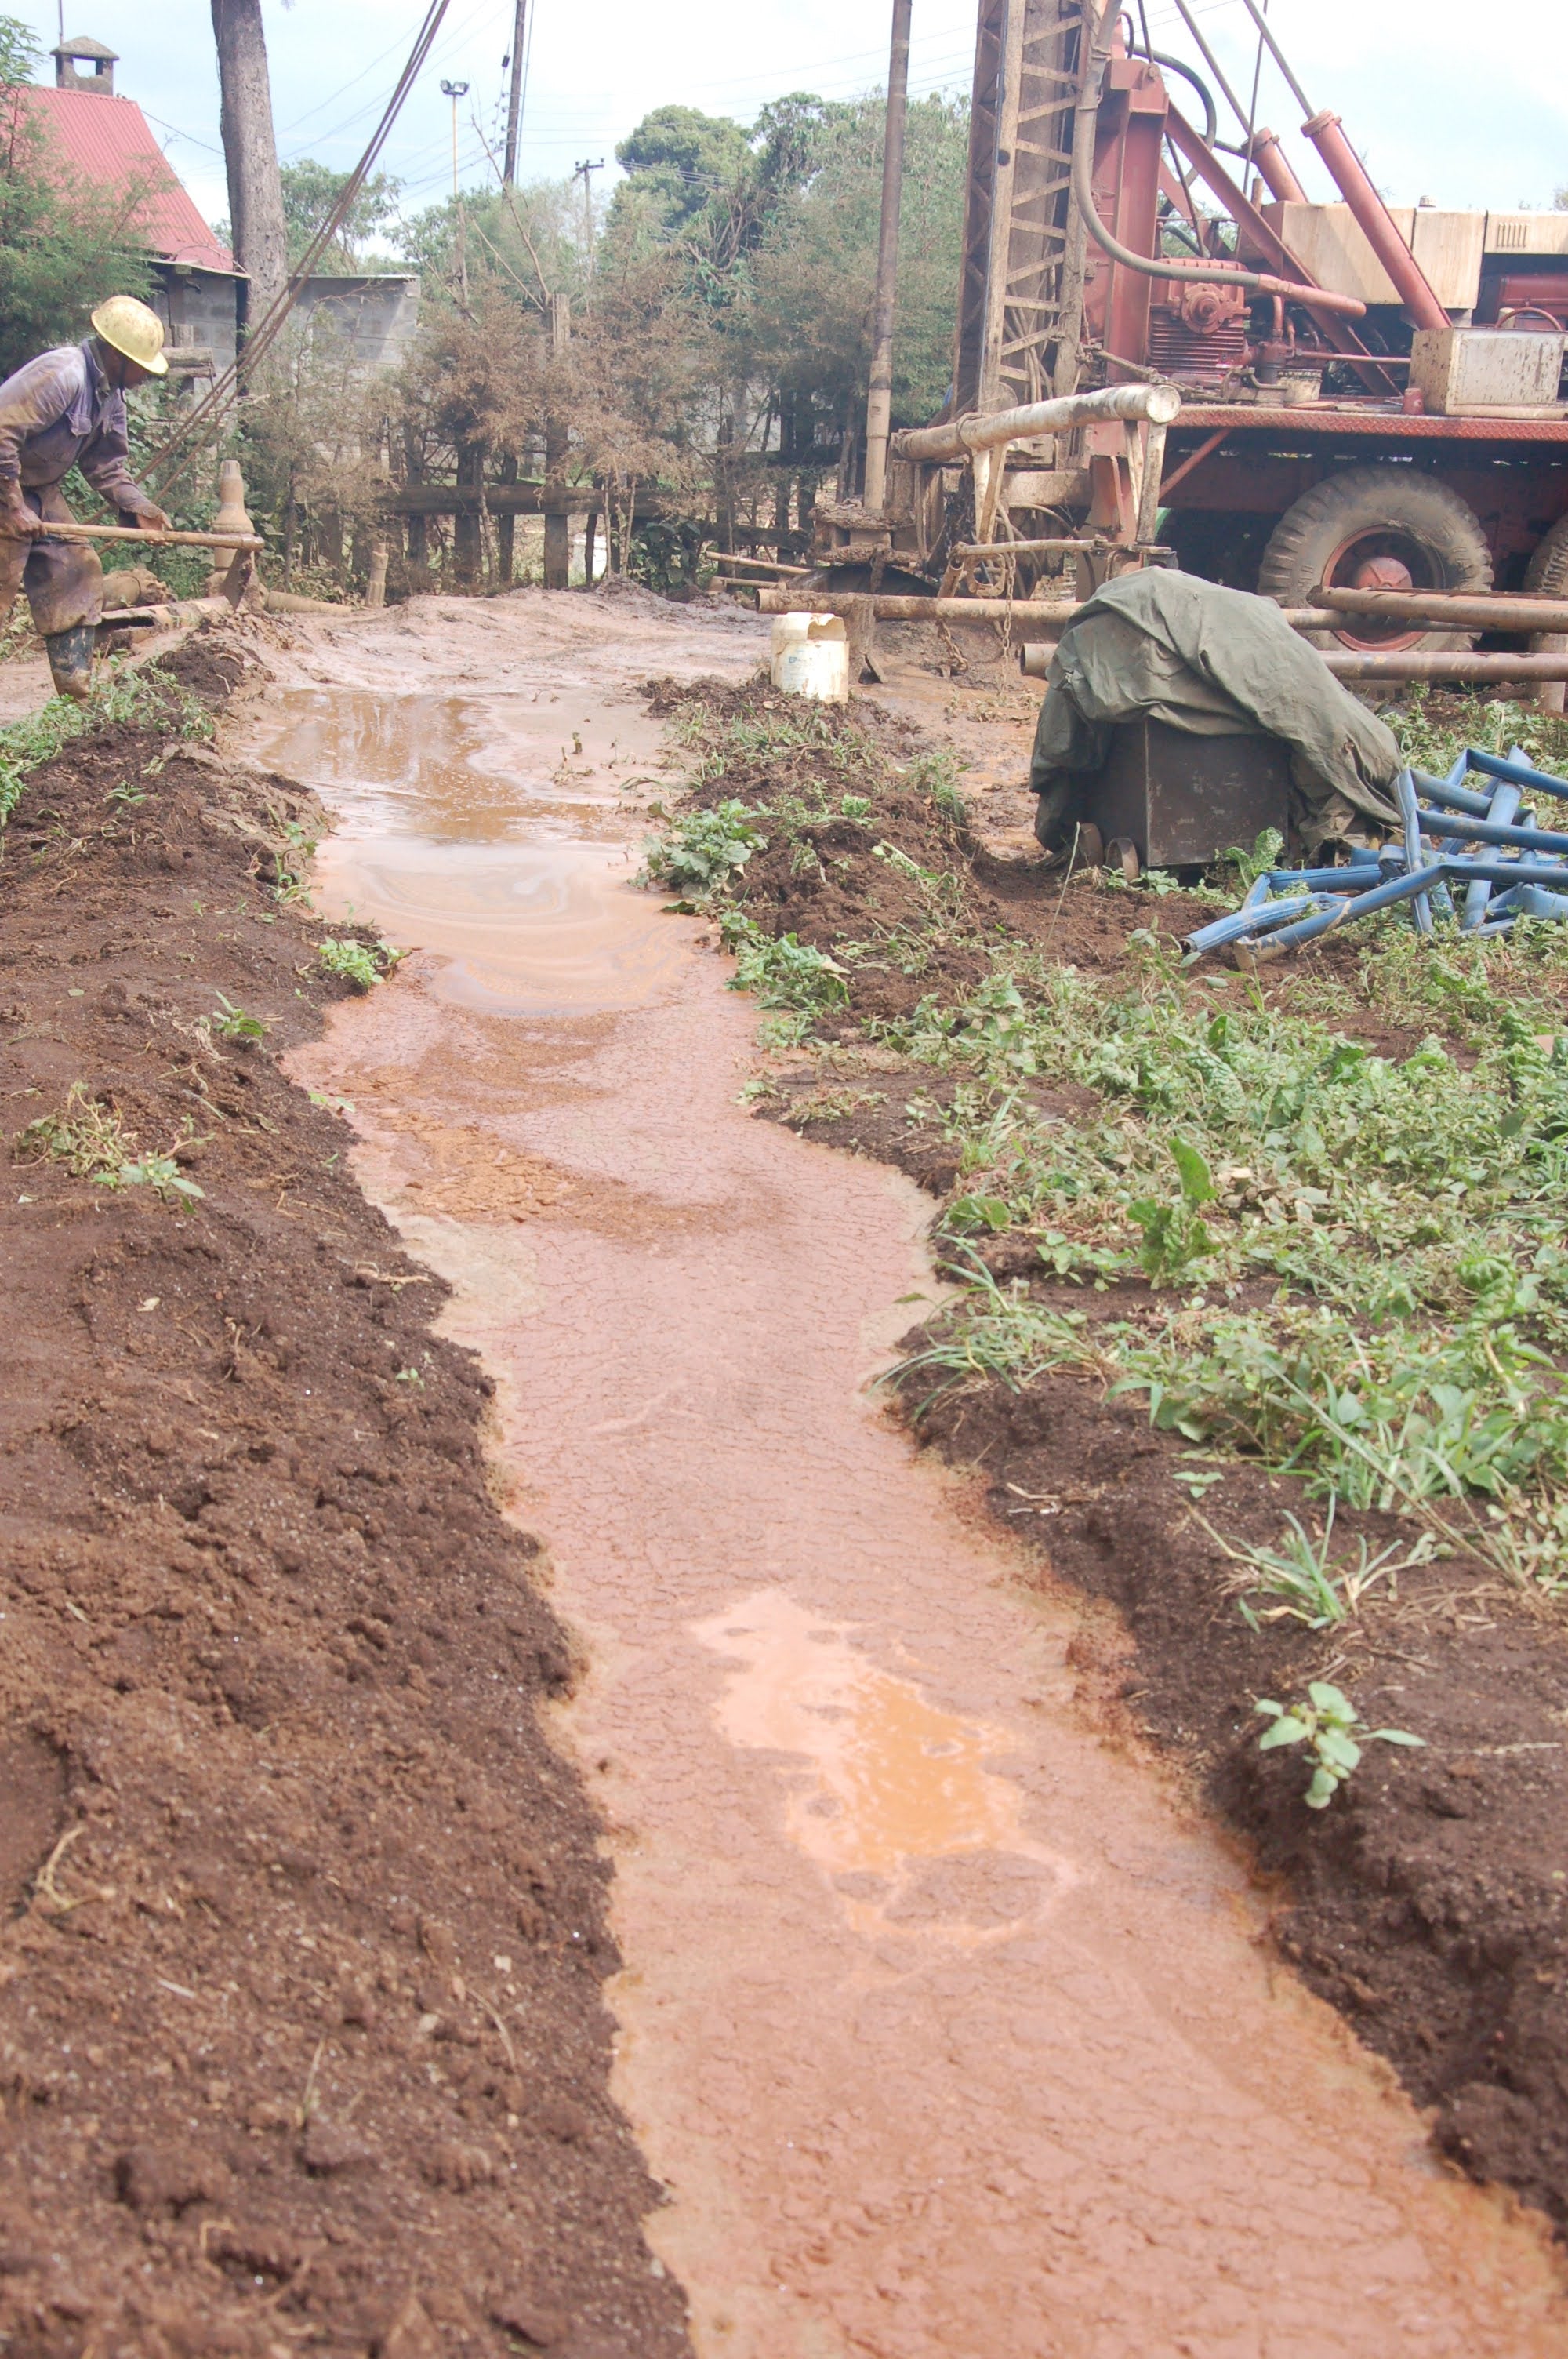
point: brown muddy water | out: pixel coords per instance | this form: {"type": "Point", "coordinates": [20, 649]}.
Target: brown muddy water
{"type": "Point", "coordinates": [949, 2031]}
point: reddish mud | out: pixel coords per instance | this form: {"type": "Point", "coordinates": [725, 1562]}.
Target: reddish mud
{"type": "Point", "coordinates": [947, 2032]}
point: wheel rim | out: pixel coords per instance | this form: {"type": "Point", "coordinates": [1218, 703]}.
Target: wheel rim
{"type": "Point", "coordinates": [1383, 557]}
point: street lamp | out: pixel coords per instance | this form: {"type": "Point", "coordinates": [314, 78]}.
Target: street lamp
{"type": "Point", "coordinates": [454, 91]}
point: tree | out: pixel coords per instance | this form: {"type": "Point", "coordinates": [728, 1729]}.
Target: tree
{"type": "Point", "coordinates": [530, 237]}
{"type": "Point", "coordinates": [64, 245]}
{"type": "Point", "coordinates": [707, 185]}
{"type": "Point", "coordinates": [249, 150]}
{"type": "Point", "coordinates": [814, 278]}
{"type": "Point", "coordinates": [311, 191]}
{"type": "Point", "coordinates": [681, 156]}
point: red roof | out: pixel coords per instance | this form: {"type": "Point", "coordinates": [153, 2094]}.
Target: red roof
{"type": "Point", "coordinates": [108, 141]}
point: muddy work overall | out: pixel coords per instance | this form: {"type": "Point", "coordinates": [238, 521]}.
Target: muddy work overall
{"type": "Point", "coordinates": [57, 412]}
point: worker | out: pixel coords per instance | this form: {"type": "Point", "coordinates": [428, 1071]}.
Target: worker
{"type": "Point", "coordinates": [67, 408]}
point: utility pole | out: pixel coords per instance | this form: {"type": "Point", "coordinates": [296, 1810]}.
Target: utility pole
{"type": "Point", "coordinates": [454, 91]}
{"type": "Point", "coordinates": [879, 399]}
{"type": "Point", "coordinates": [558, 521]}
{"type": "Point", "coordinates": [584, 172]}
{"type": "Point", "coordinates": [515, 96]}
{"type": "Point", "coordinates": [250, 151]}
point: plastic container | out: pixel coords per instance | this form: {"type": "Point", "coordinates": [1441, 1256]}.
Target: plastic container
{"type": "Point", "coordinates": [811, 656]}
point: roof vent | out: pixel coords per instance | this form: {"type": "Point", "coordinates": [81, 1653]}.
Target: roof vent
{"type": "Point", "coordinates": [83, 64]}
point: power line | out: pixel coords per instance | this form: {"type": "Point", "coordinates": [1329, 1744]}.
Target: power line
{"type": "Point", "coordinates": [323, 139]}
{"type": "Point", "coordinates": [169, 463]}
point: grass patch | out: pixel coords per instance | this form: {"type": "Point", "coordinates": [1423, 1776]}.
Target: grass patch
{"type": "Point", "coordinates": [145, 698]}
{"type": "Point", "coordinates": [361, 963]}
{"type": "Point", "coordinates": [91, 1141]}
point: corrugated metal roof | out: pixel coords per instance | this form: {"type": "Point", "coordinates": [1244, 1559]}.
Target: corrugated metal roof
{"type": "Point", "coordinates": [108, 141]}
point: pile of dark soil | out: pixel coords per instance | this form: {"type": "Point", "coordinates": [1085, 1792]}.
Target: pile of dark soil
{"type": "Point", "coordinates": [852, 891]}
{"type": "Point", "coordinates": [1429, 1902]}
{"type": "Point", "coordinates": [302, 1942]}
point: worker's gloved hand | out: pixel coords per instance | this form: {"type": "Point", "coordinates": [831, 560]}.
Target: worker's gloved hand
{"type": "Point", "coordinates": [17, 521]}
{"type": "Point", "coordinates": [145, 512]}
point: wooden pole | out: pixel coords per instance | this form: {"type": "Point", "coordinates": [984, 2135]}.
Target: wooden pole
{"type": "Point", "coordinates": [250, 152]}
{"type": "Point", "coordinates": [879, 401]}
{"type": "Point", "coordinates": [514, 95]}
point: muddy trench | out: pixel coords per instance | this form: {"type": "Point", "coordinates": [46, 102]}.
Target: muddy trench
{"type": "Point", "coordinates": [943, 2023]}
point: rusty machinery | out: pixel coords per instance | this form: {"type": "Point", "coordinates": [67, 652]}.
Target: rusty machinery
{"type": "Point", "coordinates": [1332, 394]}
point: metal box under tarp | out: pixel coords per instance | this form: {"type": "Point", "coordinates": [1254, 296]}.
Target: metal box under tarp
{"type": "Point", "coordinates": [1183, 799]}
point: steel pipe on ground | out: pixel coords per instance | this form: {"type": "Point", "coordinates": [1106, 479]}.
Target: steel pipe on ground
{"type": "Point", "coordinates": [800, 598]}
{"type": "Point", "coordinates": [1044, 616]}
{"type": "Point", "coordinates": [167, 615]}
{"type": "Point", "coordinates": [982, 430]}
{"type": "Point", "coordinates": [1417, 663]}
{"type": "Point", "coordinates": [1475, 611]}
{"type": "Point", "coordinates": [71, 530]}
{"type": "Point", "coordinates": [1034, 662]}
{"type": "Point", "coordinates": [1034, 656]}
{"type": "Point", "coordinates": [1047, 619]}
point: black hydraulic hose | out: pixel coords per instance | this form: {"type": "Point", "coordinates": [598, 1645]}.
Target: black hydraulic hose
{"type": "Point", "coordinates": [1176, 65]}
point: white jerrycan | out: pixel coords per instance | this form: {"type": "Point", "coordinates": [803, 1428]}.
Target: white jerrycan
{"type": "Point", "coordinates": [811, 656]}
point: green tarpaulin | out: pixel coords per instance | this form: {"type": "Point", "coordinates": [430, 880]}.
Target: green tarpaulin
{"type": "Point", "coordinates": [1216, 663]}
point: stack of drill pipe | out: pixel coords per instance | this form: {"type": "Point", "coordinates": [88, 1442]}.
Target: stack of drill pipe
{"type": "Point", "coordinates": [1452, 836]}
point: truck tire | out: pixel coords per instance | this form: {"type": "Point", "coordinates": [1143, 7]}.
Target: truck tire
{"type": "Point", "coordinates": [1546, 575]}
{"type": "Point", "coordinates": [1365, 512]}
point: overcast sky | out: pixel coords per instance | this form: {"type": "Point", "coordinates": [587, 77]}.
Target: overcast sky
{"type": "Point", "coordinates": [1439, 109]}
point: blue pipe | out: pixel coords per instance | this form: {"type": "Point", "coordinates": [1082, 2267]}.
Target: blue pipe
{"type": "Point", "coordinates": [1448, 790]}
{"type": "Point", "coordinates": [1421, 905]}
{"type": "Point", "coordinates": [1535, 902]}
{"type": "Point", "coordinates": [1504, 802]}
{"type": "Point", "coordinates": [1507, 872]}
{"type": "Point", "coordinates": [1307, 929]}
{"type": "Point", "coordinates": [1323, 880]}
{"type": "Point", "coordinates": [1245, 920]}
{"type": "Point", "coordinates": [1484, 831]}
{"type": "Point", "coordinates": [1516, 771]}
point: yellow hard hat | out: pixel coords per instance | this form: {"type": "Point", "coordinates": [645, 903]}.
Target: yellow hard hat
{"type": "Point", "coordinates": [135, 330]}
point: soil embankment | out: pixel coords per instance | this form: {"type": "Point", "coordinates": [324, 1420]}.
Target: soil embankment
{"type": "Point", "coordinates": [302, 1921]}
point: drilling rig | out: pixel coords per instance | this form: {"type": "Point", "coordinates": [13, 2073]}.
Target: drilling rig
{"type": "Point", "coordinates": [1166, 353]}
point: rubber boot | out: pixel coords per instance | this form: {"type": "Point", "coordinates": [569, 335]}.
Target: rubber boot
{"type": "Point", "coordinates": [70, 660]}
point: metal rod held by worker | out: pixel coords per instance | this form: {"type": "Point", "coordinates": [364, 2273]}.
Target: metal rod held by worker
{"type": "Point", "coordinates": [879, 399]}
{"type": "Point", "coordinates": [171, 539]}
